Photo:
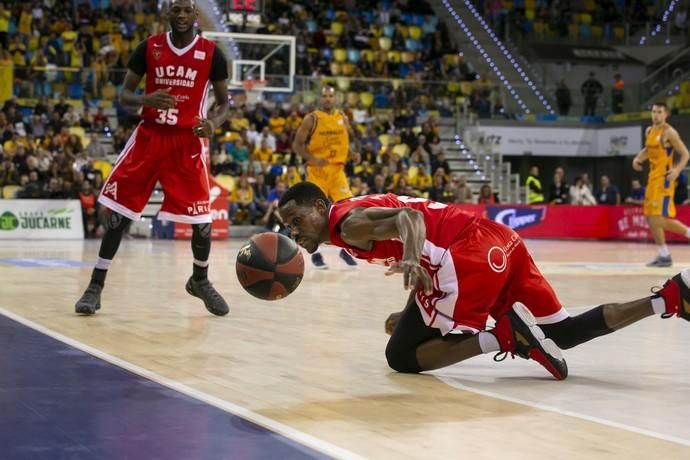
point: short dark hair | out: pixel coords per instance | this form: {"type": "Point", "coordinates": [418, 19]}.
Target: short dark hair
{"type": "Point", "coordinates": [304, 193]}
{"type": "Point", "coordinates": [661, 104]}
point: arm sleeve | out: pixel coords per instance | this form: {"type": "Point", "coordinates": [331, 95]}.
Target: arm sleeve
{"type": "Point", "coordinates": [219, 66]}
{"type": "Point", "coordinates": [137, 62]}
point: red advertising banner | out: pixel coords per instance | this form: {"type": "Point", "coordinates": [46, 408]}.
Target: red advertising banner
{"type": "Point", "coordinates": [576, 222]}
{"type": "Point", "coordinates": [219, 215]}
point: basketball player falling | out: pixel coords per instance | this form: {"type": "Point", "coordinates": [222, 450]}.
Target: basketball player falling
{"type": "Point", "coordinates": [461, 269]}
{"type": "Point", "coordinates": [662, 140]}
{"type": "Point", "coordinates": [167, 146]}
{"type": "Point", "coordinates": [323, 140]}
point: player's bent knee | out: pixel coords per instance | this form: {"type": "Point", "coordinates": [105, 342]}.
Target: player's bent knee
{"type": "Point", "coordinates": [116, 222]}
{"type": "Point", "coordinates": [404, 362]}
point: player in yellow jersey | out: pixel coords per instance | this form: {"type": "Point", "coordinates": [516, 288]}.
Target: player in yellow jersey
{"type": "Point", "coordinates": [661, 143]}
{"type": "Point", "coordinates": [323, 140]}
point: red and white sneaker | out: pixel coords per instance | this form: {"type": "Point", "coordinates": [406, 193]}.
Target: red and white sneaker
{"type": "Point", "coordinates": [518, 334]}
{"type": "Point", "coordinates": [676, 295]}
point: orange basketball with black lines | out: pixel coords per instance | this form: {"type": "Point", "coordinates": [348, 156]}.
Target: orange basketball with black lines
{"type": "Point", "coordinates": [270, 266]}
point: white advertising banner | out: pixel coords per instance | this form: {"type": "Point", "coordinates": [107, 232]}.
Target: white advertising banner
{"type": "Point", "coordinates": [41, 219]}
{"type": "Point", "coordinates": [543, 141]}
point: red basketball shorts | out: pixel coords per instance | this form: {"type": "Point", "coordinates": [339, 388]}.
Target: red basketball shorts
{"type": "Point", "coordinates": [176, 160]}
{"type": "Point", "coordinates": [483, 274]}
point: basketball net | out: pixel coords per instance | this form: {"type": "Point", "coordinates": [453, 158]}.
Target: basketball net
{"type": "Point", "coordinates": [253, 90]}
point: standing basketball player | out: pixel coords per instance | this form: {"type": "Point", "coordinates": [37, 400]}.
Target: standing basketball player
{"type": "Point", "coordinates": [461, 268]}
{"type": "Point", "coordinates": [323, 140]}
{"type": "Point", "coordinates": [661, 141]}
{"type": "Point", "coordinates": [167, 146]}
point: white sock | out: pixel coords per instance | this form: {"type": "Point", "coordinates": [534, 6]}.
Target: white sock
{"type": "Point", "coordinates": [658, 305]}
{"type": "Point", "coordinates": [663, 251]}
{"type": "Point", "coordinates": [201, 263]}
{"type": "Point", "coordinates": [488, 342]}
{"type": "Point", "coordinates": [103, 264]}
{"type": "Point", "coordinates": [687, 234]}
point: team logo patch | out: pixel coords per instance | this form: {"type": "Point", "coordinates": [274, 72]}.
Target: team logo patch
{"type": "Point", "coordinates": [516, 218]}
{"type": "Point", "coordinates": [497, 258]}
{"type": "Point", "coordinates": [201, 55]}
{"type": "Point", "coordinates": [157, 53]}
{"type": "Point", "coordinates": [111, 189]}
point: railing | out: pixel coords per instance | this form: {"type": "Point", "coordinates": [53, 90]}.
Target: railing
{"type": "Point", "coordinates": [624, 33]}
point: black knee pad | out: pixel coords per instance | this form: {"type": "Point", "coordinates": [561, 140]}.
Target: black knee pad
{"type": "Point", "coordinates": [202, 230]}
{"type": "Point", "coordinates": [404, 362]}
{"type": "Point", "coordinates": [116, 222]}
{"type": "Point", "coordinates": [577, 329]}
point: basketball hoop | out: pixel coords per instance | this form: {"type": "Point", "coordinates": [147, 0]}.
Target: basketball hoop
{"type": "Point", "coordinates": [253, 90]}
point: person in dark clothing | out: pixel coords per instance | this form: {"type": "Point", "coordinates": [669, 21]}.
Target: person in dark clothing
{"type": "Point", "coordinates": [563, 100]}
{"type": "Point", "coordinates": [591, 89]}
{"type": "Point", "coordinates": [617, 94]}
{"type": "Point", "coordinates": [559, 190]}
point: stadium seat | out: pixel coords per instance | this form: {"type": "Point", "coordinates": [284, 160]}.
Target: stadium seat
{"type": "Point", "coordinates": [597, 32]}
{"type": "Point", "coordinates": [337, 28]}
{"type": "Point", "coordinates": [352, 98]}
{"type": "Point", "coordinates": [311, 26]}
{"type": "Point", "coordinates": [343, 84]}
{"type": "Point", "coordinates": [585, 31]}
{"type": "Point", "coordinates": [418, 20]}
{"type": "Point", "coordinates": [685, 87]}
{"type": "Point", "coordinates": [407, 57]}
{"type": "Point", "coordinates": [415, 32]}
{"type": "Point", "coordinates": [412, 45]}
{"type": "Point", "coordinates": [530, 14]}
{"type": "Point", "coordinates": [619, 32]}
{"type": "Point", "coordinates": [353, 55]}
{"type": "Point", "coordinates": [385, 140]}
{"type": "Point", "coordinates": [348, 69]}
{"type": "Point", "coordinates": [385, 43]}
{"type": "Point", "coordinates": [366, 98]}
{"type": "Point", "coordinates": [340, 55]}
{"type": "Point", "coordinates": [10, 191]}
{"type": "Point", "coordinates": [388, 30]}
{"type": "Point", "coordinates": [586, 18]}
{"type": "Point", "coordinates": [367, 55]}
{"type": "Point", "coordinates": [393, 57]}
{"type": "Point", "coordinates": [336, 69]}
{"type": "Point", "coordinates": [539, 27]}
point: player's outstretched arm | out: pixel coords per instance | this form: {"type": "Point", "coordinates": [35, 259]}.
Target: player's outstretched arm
{"type": "Point", "coordinates": [364, 225]}
{"type": "Point", "coordinates": [299, 145]}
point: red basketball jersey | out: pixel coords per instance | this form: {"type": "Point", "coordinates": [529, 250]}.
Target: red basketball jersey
{"type": "Point", "coordinates": [186, 72]}
{"type": "Point", "coordinates": [444, 225]}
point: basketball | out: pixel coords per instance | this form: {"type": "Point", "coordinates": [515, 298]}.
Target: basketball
{"type": "Point", "coordinates": [270, 266]}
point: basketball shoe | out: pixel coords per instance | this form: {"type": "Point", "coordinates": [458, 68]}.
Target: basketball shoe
{"type": "Point", "coordinates": [318, 262]}
{"type": "Point", "coordinates": [676, 295]}
{"type": "Point", "coordinates": [90, 300]}
{"type": "Point", "coordinates": [518, 334]}
{"type": "Point", "coordinates": [348, 259]}
{"type": "Point", "coordinates": [204, 290]}
{"type": "Point", "coordinates": [661, 262]}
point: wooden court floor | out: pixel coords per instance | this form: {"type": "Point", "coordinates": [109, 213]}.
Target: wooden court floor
{"type": "Point", "coordinates": [314, 364]}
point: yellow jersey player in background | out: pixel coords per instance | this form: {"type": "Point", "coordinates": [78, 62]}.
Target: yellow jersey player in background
{"type": "Point", "coordinates": [661, 143]}
{"type": "Point", "coordinates": [323, 140]}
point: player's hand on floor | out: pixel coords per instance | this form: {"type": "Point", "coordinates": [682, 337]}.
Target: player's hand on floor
{"type": "Point", "coordinates": [415, 276]}
{"type": "Point", "coordinates": [392, 321]}
{"type": "Point", "coordinates": [204, 128]}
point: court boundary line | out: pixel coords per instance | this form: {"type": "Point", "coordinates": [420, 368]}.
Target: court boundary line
{"type": "Point", "coordinates": [568, 413]}
{"type": "Point", "coordinates": [293, 434]}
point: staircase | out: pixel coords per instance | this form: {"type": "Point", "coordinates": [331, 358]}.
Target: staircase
{"type": "Point", "coordinates": [471, 155]}
{"type": "Point", "coordinates": [490, 56]}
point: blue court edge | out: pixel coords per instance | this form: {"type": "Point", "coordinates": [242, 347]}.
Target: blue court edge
{"type": "Point", "coordinates": [45, 262]}
{"type": "Point", "coordinates": [58, 402]}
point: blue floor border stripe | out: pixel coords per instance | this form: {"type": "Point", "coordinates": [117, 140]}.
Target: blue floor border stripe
{"type": "Point", "coordinates": [60, 398]}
